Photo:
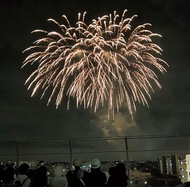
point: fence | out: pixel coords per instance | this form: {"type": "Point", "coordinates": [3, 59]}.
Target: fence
{"type": "Point", "coordinates": [106, 148]}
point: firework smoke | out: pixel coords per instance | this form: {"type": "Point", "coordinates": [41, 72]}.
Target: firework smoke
{"type": "Point", "coordinates": [105, 63]}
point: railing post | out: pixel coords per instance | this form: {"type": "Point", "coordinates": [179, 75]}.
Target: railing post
{"type": "Point", "coordinates": [17, 156]}
{"type": "Point", "coordinates": [127, 154]}
{"type": "Point", "coordinates": [71, 153]}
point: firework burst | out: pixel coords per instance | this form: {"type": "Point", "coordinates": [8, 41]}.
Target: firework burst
{"type": "Point", "coordinates": [103, 63]}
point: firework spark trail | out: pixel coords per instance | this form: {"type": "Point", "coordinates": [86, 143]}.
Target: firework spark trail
{"type": "Point", "coordinates": [103, 63]}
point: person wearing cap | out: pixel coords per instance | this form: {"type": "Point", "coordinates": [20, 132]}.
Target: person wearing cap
{"type": "Point", "coordinates": [96, 177]}
{"type": "Point", "coordinates": [74, 175]}
{"type": "Point", "coordinates": [59, 179]}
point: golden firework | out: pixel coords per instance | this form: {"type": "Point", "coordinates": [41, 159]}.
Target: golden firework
{"type": "Point", "coordinates": [105, 63]}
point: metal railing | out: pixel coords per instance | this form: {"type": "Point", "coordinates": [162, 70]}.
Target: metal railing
{"type": "Point", "coordinates": [121, 147]}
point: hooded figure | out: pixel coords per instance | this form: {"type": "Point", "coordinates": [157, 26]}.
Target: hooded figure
{"type": "Point", "coordinates": [59, 179]}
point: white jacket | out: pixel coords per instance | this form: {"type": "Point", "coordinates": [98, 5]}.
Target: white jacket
{"type": "Point", "coordinates": [21, 178]}
{"type": "Point", "coordinates": [59, 180]}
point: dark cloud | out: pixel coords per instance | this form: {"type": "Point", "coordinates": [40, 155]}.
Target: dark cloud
{"type": "Point", "coordinates": [26, 118]}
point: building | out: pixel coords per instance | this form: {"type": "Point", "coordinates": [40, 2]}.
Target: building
{"type": "Point", "coordinates": [139, 177]}
{"type": "Point", "coordinates": [170, 165]}
{"type": "Point", "coordinates": [178, 166]}
{"type": "Point", "coordinates": [185, 168]}
{"type": "Point", "coordinates": [187, 158]}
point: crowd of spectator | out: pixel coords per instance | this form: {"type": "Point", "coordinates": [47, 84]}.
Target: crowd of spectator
{"type": "Point", "coordinates": [79, 174]}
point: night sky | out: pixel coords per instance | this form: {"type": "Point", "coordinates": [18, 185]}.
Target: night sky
{"type": "Point", "coordinates": [23, 117]}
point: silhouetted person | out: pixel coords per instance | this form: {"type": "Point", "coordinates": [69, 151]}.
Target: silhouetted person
{"type": "Point", "coordinates": [8, 177]}
{"type": "Point", "coordinates": [111, 178]}
{"type": "Point", "coordinates": [22, 177]}
{"type": "Point", "coordinates": [75, 174]}
{"type": "Point", "coordinates": [2, 167]}
{"type": "Point", "coordinates": [96, 177]}
{"type": "Point", "coordinates": [41, 178]}
{"type": "Point", "coordinates": [118, 177]}
{"type": "Point", "coordinates": [31, 175]}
